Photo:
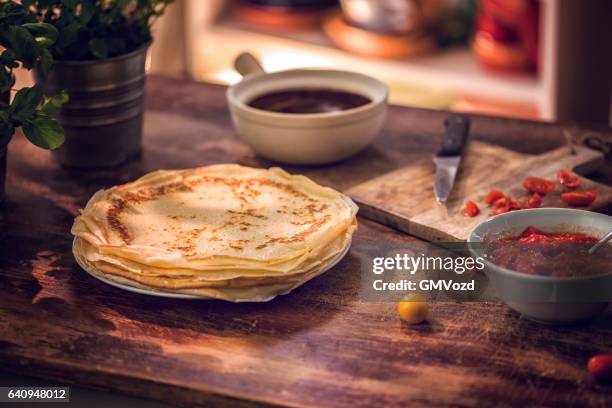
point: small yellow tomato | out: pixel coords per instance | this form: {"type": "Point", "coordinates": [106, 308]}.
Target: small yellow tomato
{"type": "Point", "coordinates": [413, 309]}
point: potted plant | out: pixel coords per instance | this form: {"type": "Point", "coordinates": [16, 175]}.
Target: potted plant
{"type": "Point", "coordinates": [99, 59]}
{"type": "Point", "coordinates": [26, 43]}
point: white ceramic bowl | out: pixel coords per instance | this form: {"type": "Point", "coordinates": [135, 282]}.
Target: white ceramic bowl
{"type": "Point", "coordinates": [307, 138]}
{"type": "Point", "coordinates": [563, 299]}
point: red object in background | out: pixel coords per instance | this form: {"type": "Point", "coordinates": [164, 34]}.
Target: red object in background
{"type": "Point", "coordinates": [568, 179]}
{"type": "Point", "coordinates": [506, 36]}
{"type": "Point", "coordinates": [538, 185]}
{"type": "Point", "coordinates": [600, 367]}
{"type": "Point", "coordinates": [471, 209]}
{"type": "Point", "coordinates": [579, 198]}
{"type": "Point", "coordinates": [498, 31]}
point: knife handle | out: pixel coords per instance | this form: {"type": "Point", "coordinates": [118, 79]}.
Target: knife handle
{"type": "Point", "coordinates": [457, 130]}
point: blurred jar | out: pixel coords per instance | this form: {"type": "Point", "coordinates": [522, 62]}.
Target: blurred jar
{"type": "Point", "coordinates": [293, 3]}
{"type": "Point", "coordinates": [506, 35]}
{"type": "Point", "coordinates": [395, 17]}
{"type": "Point", "coordinates": [283, 15]}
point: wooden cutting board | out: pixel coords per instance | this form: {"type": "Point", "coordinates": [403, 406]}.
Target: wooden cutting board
{"type": "Point", "coordinates": [404, 198]}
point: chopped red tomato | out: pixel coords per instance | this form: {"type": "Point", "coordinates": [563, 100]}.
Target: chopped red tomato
{"type": "Point", "coordinates": [538, 185]}
{"type": "Point", "coordinates": [579, 198]}
{"type": "Point", "coordinates": [534, 201]}
{"type": "Point", "coordinates": [535, 237]}
{"type": "Point", "coordinates": [513, 204]}
{"type": "Point", "coordinates": [568, 179]}
{"type": "Point", "coordinates": [493, 196]}
{"type": "Point", "coordinates": [553, 253]}
{"type": "Point", "coordinates": [530, 231]}
{"type": "Point", "coordinates": [471, 209]}
{"type": "Point", "coordinates": [502, 202]}
{"type": "Point", "coordinates": [573, 237]}
{"type": "Point", "coordinates": [500, 210]}
{"type": "Point", "coordinates": [505, 204]}
{"type": "Point", "coordinates": [532, 234]}
{"type": "Point", "coordinates": [508, 203]}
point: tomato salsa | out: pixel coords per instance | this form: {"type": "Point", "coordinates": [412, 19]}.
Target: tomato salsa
{"type": "Point", "coordinates": [555, 254]}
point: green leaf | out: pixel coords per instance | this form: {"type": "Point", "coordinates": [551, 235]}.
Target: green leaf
{"type": "Point", "coordinates": [7, 81]}
{"type": "Point", "coordinates": [88, 9]}
{"type": "Point", "coordinates": [26, 101]}
{"type": "Point", "coordinates": [8, 58]}
{"type": "Point", "coordinates": [44, 42]}
{"type": "Point", "coordinates": [45, 61]}
{"type": "Point", "coordinates": [98, 48]}
{"type": "Point", "coordinates": [44, 131]}
{"type": "Point", "coordinates": [6, 133]}
{"type": "Point", "coordinates": [68, 35]}
{"type": "Point", "coordinates": [70, 3]}
{"type": "Point", "coordinates": [13, 12]}
{"type": "Point", "coordinates": [116, 46]}
{"type": "Point", "coordinates": [43, 30]}
{"type": "Point", "coordinates": [53, 105]}
{"type": "Point", "coordinates": [23, 45]}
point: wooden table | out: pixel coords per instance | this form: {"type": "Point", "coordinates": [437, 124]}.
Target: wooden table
{"type": "Point", "coordinates": [320, 346]}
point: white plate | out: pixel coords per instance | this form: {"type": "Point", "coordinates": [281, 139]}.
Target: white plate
{"type": "Point", "coordinates": [131, 287]}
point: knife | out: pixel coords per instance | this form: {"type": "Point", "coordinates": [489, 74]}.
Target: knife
{"type": "Point", "coordinates": [449, 157]}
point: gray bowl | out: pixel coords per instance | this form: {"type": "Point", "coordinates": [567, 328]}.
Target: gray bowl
{"type": "Point", "coordinates": [544, 298]}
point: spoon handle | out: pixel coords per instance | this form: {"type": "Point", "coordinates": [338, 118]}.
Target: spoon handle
{"type": "Point", "coordinates": [247, 64]}
{"type": "Point", "coordinates": [600, 243]}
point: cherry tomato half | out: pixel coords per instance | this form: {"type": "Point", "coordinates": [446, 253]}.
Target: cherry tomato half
{"type": "Point", "coordinates": [502, 202]}
{"type": "Point", "coordinates": [600, 367]}
{"type": "Point", "coordinates": [500, 210]}
{"type": "Point", "coordinates": [568, 179]}
{"type": "Point", "coordinates": [513, 204]}
{"type": "Point", "coordinates": [538, 185]}
{"type": "Point", "coordinates": [505, 204]}
{"type": "Point", "coordinates": [493, 196]}
{"type": "Point", "coordinates": [579, 198]}
{"type": "Point", "coordinates": [534, 201]}
{"type": "Point", "coordinates": [471, 209]}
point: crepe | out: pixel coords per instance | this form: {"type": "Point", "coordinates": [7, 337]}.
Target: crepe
{"type": "Point", "coordinates": [182, 278]}
{"type": "Point", "coordinates": [221, 226]}
{"type": "Point", "coordinates": [259, 291]}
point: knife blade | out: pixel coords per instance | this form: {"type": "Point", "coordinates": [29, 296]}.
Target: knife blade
{"type": "Point", "coordinates": [448, 159]}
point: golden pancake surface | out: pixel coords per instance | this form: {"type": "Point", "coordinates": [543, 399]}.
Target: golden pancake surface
{"type": "Point", "coordinates": [224, 231]}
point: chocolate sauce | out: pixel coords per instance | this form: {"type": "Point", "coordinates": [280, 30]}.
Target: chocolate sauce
{"type": "Point", "coordinates": [308, 101]}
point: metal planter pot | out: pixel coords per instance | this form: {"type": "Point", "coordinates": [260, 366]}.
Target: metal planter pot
{"type": "Point", "coordinates": [103, 118]}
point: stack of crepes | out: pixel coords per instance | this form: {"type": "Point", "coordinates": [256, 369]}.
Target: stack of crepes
{"type": "Point", "coordinates": [224, 231]}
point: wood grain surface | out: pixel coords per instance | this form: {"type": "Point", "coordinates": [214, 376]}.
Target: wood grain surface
{"type": "Point", "coordinates": [323, 345]}
{"type": "Point", "coordinates": [404, 198]}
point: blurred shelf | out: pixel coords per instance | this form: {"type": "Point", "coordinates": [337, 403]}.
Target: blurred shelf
{"type": "Point", "coordinates": [435, 80]}
{"type": "Point", "coordinates": [572, 63]}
